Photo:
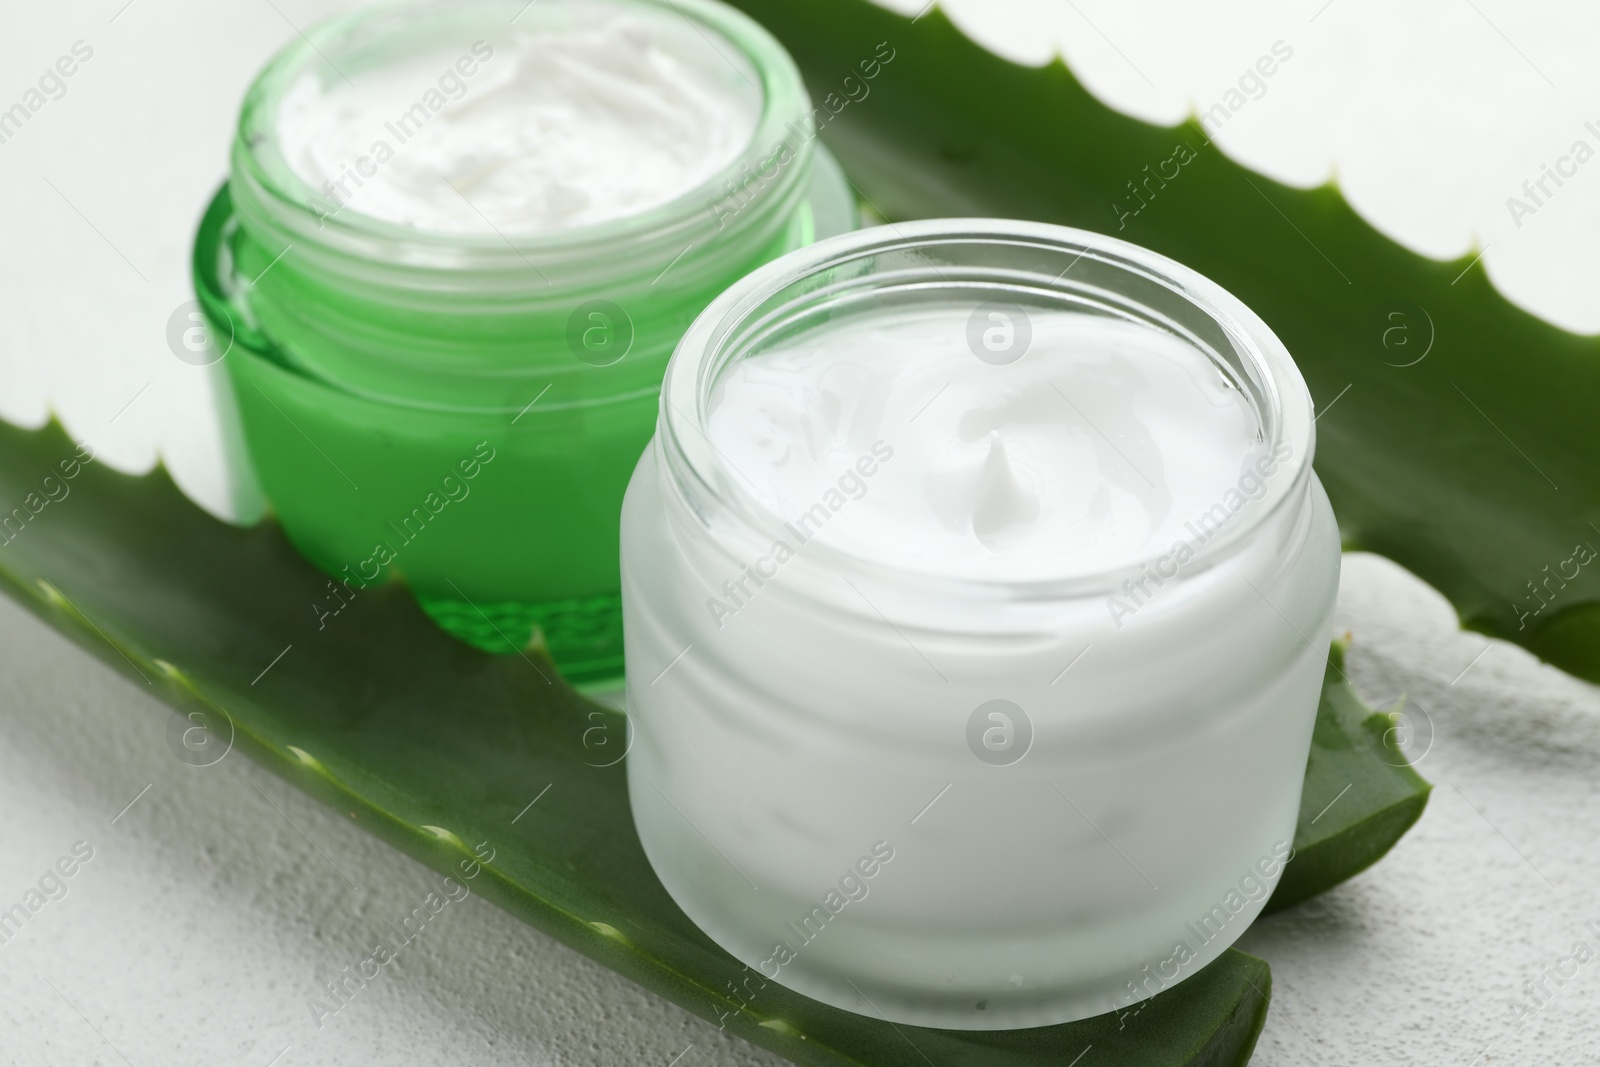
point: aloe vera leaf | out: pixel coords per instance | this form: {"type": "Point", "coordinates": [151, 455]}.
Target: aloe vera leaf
{"type": "Point", "coordinates": [1361, 793]}
{"type": "Point", "coordinates": [453, 755]}
{"type": "Point", "coordinates": [1449, 466]}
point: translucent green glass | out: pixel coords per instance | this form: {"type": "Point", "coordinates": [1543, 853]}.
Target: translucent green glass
{"type": "Point", "coordinates": [464, 411]}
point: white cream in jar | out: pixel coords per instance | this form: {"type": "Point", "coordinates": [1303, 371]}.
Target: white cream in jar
{"type": "Point", "coordinates": [974, 688]}
{"type": "Point", "coordinates": [540, 130]}
{"type": "Point", "coordinates": [1090, 453]}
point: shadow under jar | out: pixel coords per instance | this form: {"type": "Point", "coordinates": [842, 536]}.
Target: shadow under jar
{"type": "Point", "coordinates": [976, 590]}
{"type": "Point", "coordinates": [446, 349]}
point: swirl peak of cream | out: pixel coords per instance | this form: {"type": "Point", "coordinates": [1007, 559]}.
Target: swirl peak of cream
{"type": "Point", "coordinates": [1095, 450]}
{"type": "Point", "coordinates": [540, 131]}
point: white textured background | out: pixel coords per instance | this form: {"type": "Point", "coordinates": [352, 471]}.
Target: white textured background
{"type": "Point", "coordinates": [217, 903]}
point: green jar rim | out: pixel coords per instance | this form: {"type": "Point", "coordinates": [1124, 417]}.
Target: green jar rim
{"type": "Point", "coordinates": [275, 204]}
{"type": "Point", "coordinates": [828, 204]}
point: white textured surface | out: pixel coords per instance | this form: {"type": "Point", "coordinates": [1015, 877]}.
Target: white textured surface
{"type": "Point", "coordinates": [215, 905]}
{"type": "Point", "coordinates": [206, 919]}
{"type": "Point", "coordinates": [1422, 958]}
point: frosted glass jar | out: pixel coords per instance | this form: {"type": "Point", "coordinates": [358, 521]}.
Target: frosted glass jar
{"type": "Point", "coordinates": [376, 362]}
{"type": "Point", "coordinates": [950, 799]}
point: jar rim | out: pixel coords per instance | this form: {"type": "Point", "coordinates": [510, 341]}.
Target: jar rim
{"type": "Point", "coordinates": [274, 198]}
{"type": "Point", "coordinates": [705, 479]}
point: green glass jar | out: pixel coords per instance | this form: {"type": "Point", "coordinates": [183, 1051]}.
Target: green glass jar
{"type": "Point", "coordinates": [464, 409]}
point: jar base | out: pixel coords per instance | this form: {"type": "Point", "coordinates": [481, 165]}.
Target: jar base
{"type": "Point", "coordinates": [583, 635]}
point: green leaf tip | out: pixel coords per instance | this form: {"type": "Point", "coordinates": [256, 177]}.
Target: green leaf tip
{"type": "Point", "coordinates": [1361, 793]}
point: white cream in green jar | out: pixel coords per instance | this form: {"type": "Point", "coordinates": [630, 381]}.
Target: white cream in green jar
{"type": "Point", "coordinates": [545, 129]}
{"type": "Point", "coordinates": [460, 229]}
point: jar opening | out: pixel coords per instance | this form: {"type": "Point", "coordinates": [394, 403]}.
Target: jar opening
{"type": "Point", "coordinates": [934, 302]}
{"type": "Point", "coordinates": [738, 66]}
